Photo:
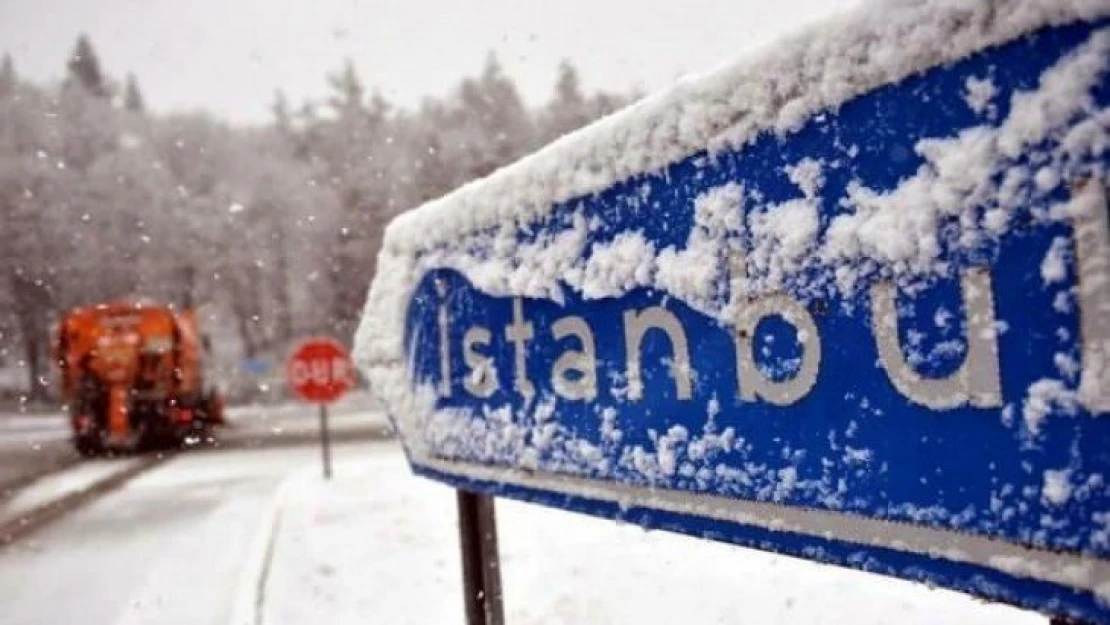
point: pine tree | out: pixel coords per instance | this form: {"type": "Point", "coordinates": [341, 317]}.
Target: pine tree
{"type": "Point", "coordinates": [7, 75]}
{"type": "Point", "coordinates": [568, 88]}
{"type": "Point", "coordinates": [84, 67]}
{"type": "Point", "coordinates": [348, 88]}
{"type": "Point", "coordinates": [378, 108]}
{"type": "Point", "coordinates": [498, 128]}
{"type": "Point", "coordinates": [132, 96]}
{"type": "Point", "coordinates": [280, 110]}
{"type": "Point", "coordinates": [568, 109]}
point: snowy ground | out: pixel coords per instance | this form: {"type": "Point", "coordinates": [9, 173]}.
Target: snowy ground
{"type": "Point", "coordinates": [354, 411]}
{"type": "Point", "coordinates": [169, 547]}
{"type": "Point", "coordinates": [28, 429]}
{"type": "Point", "coordinates": [352, 414]}
{"type": "Point", "coordinates": [187, 543]}
{"type": "Point", "coordinates": [30, 446]}
{"type": "Point", "coordinates": [380, 543]}
{"type": "Point", "coordinates": [56, 485]}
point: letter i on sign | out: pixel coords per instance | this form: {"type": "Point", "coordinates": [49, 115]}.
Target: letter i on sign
{"type": "Point", "coordinates": [444, 341]}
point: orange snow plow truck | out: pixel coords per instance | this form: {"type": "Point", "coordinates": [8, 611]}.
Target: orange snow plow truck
{"type": "Point", "coordinates": [132, 376]}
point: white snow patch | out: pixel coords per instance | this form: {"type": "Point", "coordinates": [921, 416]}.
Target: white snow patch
{"type": "Point", "coordinates": [1008, 415]}
{"type": "Point", "coordinates": [899, 228]}
{"type": "Point", "coordinates": [1046, 179]}
{"type": "Point", "coordinates": [390, 549]}
{"type": "Point", "coordinates": [693, 274]}
{"type": "Point", "coordinates": [1057, 486]}
{"type": "Point", "coordinates": [978, 93]}
{"type": "Point", "coordinates": [609, 431]}
{"type": "Point", "coordinates": [781, 238]}
{"type": "Point", "coordinates": [665, 448]}
{"type": "Point", "coordinates": [808, 175]}
{"type": "Point", "coordinates": [1066, 365]}
{"type": "Point", "coordinates": [788, 480]}
{"type": "Point", "coordinates": [1044, 397]}
{"type": "Point", "coordinates": [943, 317]}
{"type": "Point", "coordinates": [1062, 302]}
{"type": "Point", "coordinates": [1054, 266]}
{"type": "Point", "coordinates": [857, 456]}
{"type": "Point", "coordinates": [614, 268]}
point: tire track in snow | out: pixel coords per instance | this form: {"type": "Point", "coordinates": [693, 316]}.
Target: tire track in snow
{"type": "Point", "coordinates": [264, 574]}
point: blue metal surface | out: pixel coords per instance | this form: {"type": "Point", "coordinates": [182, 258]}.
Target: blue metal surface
{"type": "Point", "coordinates": [853, 444]}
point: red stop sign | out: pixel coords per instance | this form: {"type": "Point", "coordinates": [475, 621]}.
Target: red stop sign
{"type": "Point", "coordinates": [320, 370]}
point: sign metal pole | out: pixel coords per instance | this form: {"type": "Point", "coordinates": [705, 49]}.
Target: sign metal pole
{"type": "Point", "coordinates": [480, 561]}
{"type": "Point", "coordinates": [325, 441]}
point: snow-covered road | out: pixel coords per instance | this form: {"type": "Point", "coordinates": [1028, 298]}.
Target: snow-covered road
{"type": "Point", "coordinates": [26, 428]}
{"type": "Point", "coordinates": [201, 538]}
{"type": "Point", "coordinates": [31, 444]}
{"type": "Point", "coordinates": [354, 412]}
{"type": "Point", "coordinates": [170, 547]}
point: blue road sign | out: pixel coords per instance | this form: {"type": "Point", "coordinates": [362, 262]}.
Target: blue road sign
{"type": "Point", "coordinates": [872, 330]}
{"type": "Point", "coordinates": [257, 366]}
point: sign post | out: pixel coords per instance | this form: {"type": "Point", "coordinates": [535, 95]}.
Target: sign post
{"type": "Point", "coordinates": [480, 560]}
{"type": "Point", "coordinates": [319, 371]}
{"type": "Point", "coordinates": [325, 441]}
{"type": "Point", "coordinates": [845, 301]}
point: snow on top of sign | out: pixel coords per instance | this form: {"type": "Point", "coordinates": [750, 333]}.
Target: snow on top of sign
{"type": "Point", "coordinates": [816, 69]}
{"type": "Point", "coordinates": [479, 229]}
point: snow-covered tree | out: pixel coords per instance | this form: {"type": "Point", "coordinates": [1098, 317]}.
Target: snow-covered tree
{"type": "Point", "coordinates": [273, 229]}
{"type": "Point", "coordinates": [132, 96]}
{"type": "Point", "coordinates": [84, 68]}
{"type": "Point", "coordinates": [7, 75]}
{"type": "Point", "coordinates": [568, 108]}
{"type": "Point", "coordinates": [491, 126]}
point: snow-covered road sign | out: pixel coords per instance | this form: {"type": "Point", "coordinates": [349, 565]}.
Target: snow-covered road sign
{"type": "Point", "coordinates": [849, 301]}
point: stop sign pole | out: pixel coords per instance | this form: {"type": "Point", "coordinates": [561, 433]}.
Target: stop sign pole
{"type": "Point", "coordinates": [325, 441]}
{"type": "Point", "coordinates": [319, 371]}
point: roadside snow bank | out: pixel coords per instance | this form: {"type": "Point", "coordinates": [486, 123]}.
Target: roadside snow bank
{"type": "Point", "coordinates": [380, 545]}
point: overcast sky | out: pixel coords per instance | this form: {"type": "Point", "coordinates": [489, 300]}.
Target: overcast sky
{"type": "Point", "coordinates": [228, 56]}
